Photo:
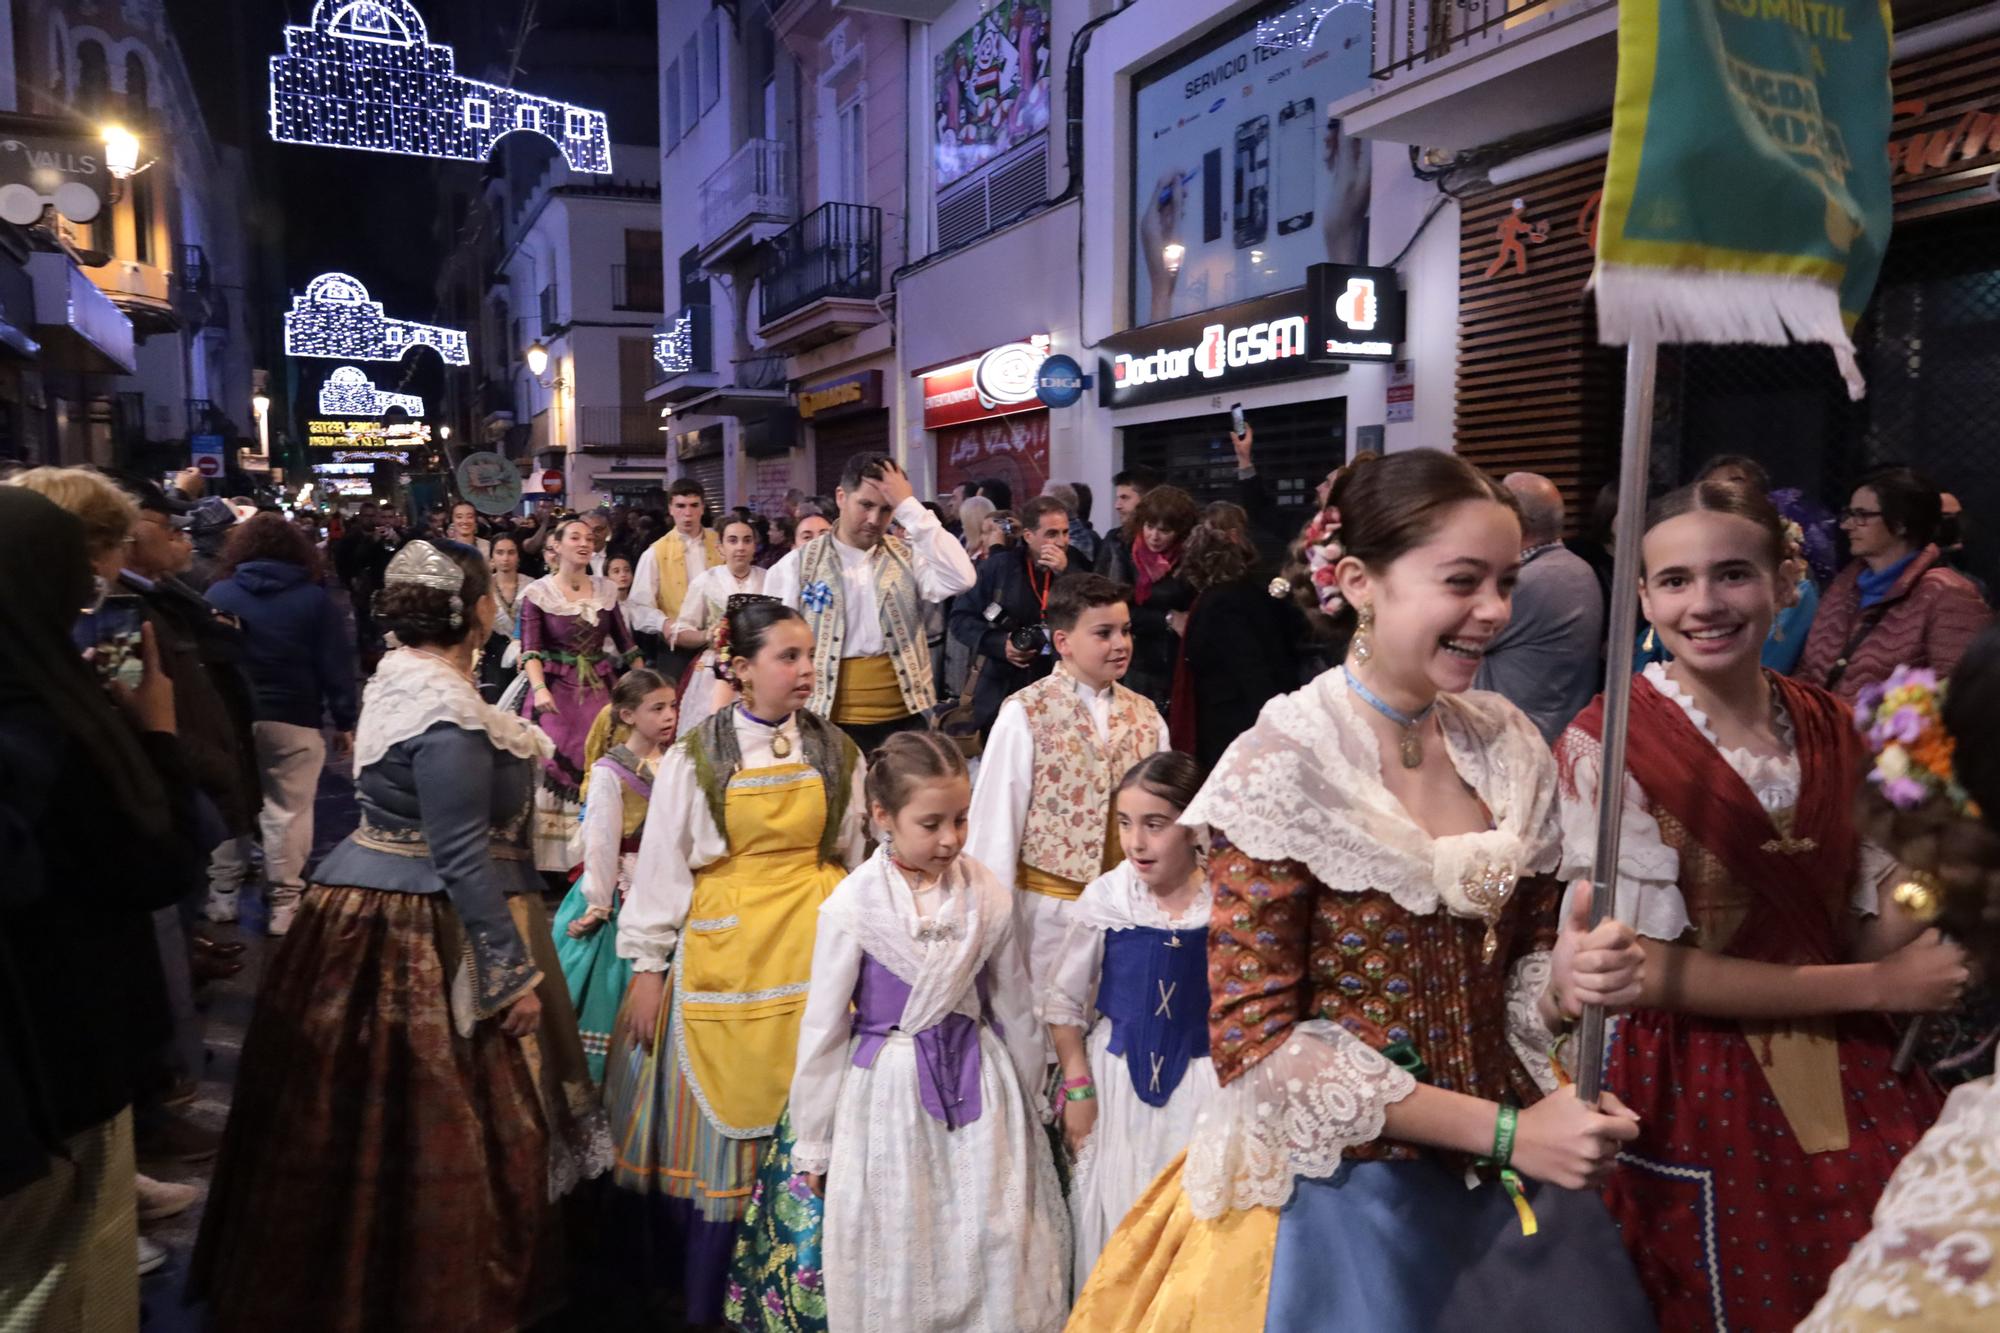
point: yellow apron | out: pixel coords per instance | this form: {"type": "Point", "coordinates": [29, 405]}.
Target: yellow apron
{"type": "Point", "coordinates": [868, 693]}
{"type": "Point", "coordinates": [746, 949]}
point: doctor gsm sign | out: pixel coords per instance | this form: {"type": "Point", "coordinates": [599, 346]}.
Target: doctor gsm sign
{"type": "Point", "coordinates": [1344, 313]}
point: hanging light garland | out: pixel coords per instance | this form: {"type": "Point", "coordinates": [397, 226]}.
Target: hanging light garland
{"type": "Point", "coordinates": [348, 392]}
{"type": "Point", "coordinates": [673, 350]}
{"type": "Point", "coordinates": [364, 74]}
{"type": "Point", "coordinates": [336, 319]}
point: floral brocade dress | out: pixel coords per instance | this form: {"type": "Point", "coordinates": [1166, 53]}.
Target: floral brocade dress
{"type": "Point", "coordinates": [1351, 956]}
{"type": "Point", "coordinates": [583, 645]}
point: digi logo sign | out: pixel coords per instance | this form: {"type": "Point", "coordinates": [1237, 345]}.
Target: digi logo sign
{"type": "Point", "coordinates": [1357, 306]}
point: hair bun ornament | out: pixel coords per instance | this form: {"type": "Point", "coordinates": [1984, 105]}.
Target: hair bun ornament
{"type": "Point", "coordinates": [1323, 555]}
{"type": "Point", "coordinates": [422, 565]}
{"type": "Point", "coordinates": [1902, 720]}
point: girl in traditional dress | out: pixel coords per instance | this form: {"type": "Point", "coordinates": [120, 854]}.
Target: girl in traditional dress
{"type": "Point", "coordinates": [755, 817]}
{"type": "Point", "coordinates": [614, 812]}
{"type": "Point", "coordinates": [574, 643]}
{"type": "Point", "coordinates": [500, 662]}
{"type": "Point", "coordinates": [1381, 951]}
{"type": "Point", "coordinates": [702, 610]}
{"type": "Point", "coordinates": [1127, 1005]}
{"type": "Point", "coordinates": [1932, 1262]}
{"type": "Point", "coordinates": [1758, 1060]}
{"type": "Point", "coordinates": [412, 1098]}
{"type": "Point", "coordinates": [913, 1095]}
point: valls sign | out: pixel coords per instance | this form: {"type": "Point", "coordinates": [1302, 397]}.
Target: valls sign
{"type": "Point", "coordinates": [1250, 342]}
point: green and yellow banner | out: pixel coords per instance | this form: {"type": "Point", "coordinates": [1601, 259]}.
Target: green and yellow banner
{"type": "Point", "coordinates": [1747, 198]}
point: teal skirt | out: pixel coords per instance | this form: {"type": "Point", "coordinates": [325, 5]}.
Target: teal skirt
{"type": "Point", "coordinates": [776, 1282]}
{"type": "Point", "coordinates": [597, 977]}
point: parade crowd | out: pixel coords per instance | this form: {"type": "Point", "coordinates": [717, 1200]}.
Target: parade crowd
{"type": "Point", "coordinates": [891, 915]}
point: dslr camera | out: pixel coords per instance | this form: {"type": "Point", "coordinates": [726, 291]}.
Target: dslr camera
{"type": "Point", "coordinates": [1029, 638]}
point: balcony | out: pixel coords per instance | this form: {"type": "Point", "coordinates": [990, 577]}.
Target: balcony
{"type": "Point", "coordinates": [746, 200]}
{"type": "Point", "coordinates": [1458, 74]}
{"type": "Point", "coordinates": [822, 278]}
{"type": "Point", "coordinates": [195, 274]}
{"type": "Point", "coordinates": [145, 292]}
{"type": "Point", "coordinates": [81, 329]}
{"type": "Point", "coordinates": [622, 430]}
{"type": "Point", "coordinates": [683, 365]}
{"type": "Point", "coordinates": [638, 287]}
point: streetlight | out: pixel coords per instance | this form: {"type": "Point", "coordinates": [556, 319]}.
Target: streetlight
{"type": "Point", "coordinates": [121, 152]}
{"type": "Point", "coordinates": [444, 433]}
{"type": "Point", "coordinates": [538, 358]}
{"type": "Point", "coordinates": [260, 403]}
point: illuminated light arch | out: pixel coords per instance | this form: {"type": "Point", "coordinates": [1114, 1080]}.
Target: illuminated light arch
{"type": "Point", "coordinates": [337, 319]}
{"type": "Point", "coordinates": [348, 392]}
{"type": "Point", "coordinates": [364, 74]}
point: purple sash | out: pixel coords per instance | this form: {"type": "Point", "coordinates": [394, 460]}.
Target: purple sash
{"type": "Point", "coordinates": [948, 1061]}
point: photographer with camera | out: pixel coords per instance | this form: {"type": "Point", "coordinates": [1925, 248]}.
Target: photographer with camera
{"type": "Point", "coordinates": [1003, 619]}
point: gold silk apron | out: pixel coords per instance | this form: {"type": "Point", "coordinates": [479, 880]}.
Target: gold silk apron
{"type": "Point", "coordinates": [746, 951]}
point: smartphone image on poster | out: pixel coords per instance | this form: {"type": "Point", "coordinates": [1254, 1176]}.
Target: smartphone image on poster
{"type": "Point", "coordinates": [1253, 181]}
{"type": "Point", "coordinates": [1211, 195]}
{"type": "Point", "coordinates": [1296, 167]}
{"type": "Point", "coordinates": [110, 638]}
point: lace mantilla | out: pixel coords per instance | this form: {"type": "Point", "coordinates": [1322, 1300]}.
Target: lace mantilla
{"type": "Point", "coordinates": [1305, 785]}
{"type": "Point", "coordinates": [1532, 1042]}
{"type": "Point", "coordinates": [548, 593]}
{"type": "Point", "coordinates": [410, 693]}
{"type": "Point", "coordinates": [1119, 899]}
{"type": "Point", "coordinates": [1304, 1105]}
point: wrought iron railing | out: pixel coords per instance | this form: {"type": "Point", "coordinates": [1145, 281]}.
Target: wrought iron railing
{"type": "Point", "coordinates": [1413, 33]}
{"type": "Point", "coordinates": [619, 427]}
{"type": "Point", "coordinates": [835, 250]}
{"type": "Point", "coordinates": [756, 182]}
{"type": "Point", "coordinates": [763, 371]}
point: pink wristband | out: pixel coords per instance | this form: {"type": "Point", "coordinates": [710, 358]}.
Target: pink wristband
{"type": "Point", "coordinates": [1083, 1082]}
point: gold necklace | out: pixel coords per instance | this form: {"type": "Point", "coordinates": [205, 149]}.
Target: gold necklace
{"type": "Point", "coordinates": [781, 744]}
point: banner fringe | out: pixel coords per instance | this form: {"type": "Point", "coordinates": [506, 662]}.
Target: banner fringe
{"type": "Point", "coordinates": [1687, 306]}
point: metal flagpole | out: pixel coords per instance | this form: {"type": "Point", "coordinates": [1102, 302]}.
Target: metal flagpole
{"type": "Point", "coordinates": [1634, 455]}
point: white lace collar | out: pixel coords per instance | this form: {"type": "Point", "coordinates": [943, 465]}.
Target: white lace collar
{"type": "Point", "coordinates": [1774, 778]}
{"type": "Point", "coordinates": [410, 693]}
{"type": "Point", "coordinates": [548, 593]}
{"type": "Point", "coordinates": [1120, 900]}
{"type": "Point", "coordinates": [1304, 784]}
{"type": "Point", "coordinates": [939, 956]}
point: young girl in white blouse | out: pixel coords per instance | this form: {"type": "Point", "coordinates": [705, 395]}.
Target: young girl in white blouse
{"type": "Point", "coordinates": [702, 609]}
{"type": "Point", "coordinates": [1127, 1004]}
{"type": "Point", "coordinates": [911, 1098]}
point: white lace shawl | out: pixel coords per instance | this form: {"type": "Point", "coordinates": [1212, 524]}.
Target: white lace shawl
{"type": "Point", "coordinates": [1116, 900]}
{"type": "Point", "coordinates": [410, 693]}
{"type": "Point", "coordinates": [1305, 785]}
{"type": "Point", "coordinates": [548, 593]}
{"type": "Point", "coordinates": [938, 957]}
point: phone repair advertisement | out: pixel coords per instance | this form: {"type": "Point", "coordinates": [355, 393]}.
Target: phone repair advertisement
{"type": "Point", "coordinates": [1241, 177]}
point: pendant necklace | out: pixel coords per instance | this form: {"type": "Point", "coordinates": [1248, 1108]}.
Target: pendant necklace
{"type": "Point", "coordinates": [781, 744]}
{"type": "Point", "coordinates": [1412, 744]}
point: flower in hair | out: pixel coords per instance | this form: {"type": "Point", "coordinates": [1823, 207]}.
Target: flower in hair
{"type": "Point", "coordinates": [1323, 554]}
{"type": "Point", "coordinates": [1902, 720]}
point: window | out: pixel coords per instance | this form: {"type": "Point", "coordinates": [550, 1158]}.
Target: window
{"type": "Point", "coordinates": [711, 59]}
{"type": "Point", "coordinates": [672, 103]}
{"type": "Point", "coordinates": [93, 76]}
{"type": "Point", "coordinates": [690, 83]}
{"type": "Point", "coordinates": [143, 214]}
{"type": "Point", "coordinates": [138, 87]}
{"type": "Point", "coordinates": [578, 125]}
{"type": "Point", "coordinates": [527, 118]}
{"type": "Point", "coordinates": [853, 159]}
{"type": "Point", "coordinates": [478, 113]}
{"type": "Point", "coordinates": [694, 282]}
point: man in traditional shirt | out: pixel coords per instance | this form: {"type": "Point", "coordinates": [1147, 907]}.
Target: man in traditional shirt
{"type": "Point", "coordinates": [670, 565]}
{"type": "Point", "coordinates": [863, 593]}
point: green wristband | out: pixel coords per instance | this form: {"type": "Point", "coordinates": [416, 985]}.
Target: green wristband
{"type": "Point", "coordinates": [1504, 1126]}
{"type": "Point", "coordinates": [1088, 1092]}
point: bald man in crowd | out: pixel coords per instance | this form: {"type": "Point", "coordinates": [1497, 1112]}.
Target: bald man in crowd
{"type": "Point", "coordinates": [1548, 661]}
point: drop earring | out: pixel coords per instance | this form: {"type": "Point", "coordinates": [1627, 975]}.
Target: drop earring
{"type": "Point", "coordinates": [1363, 649]}
{"type": "Point", "coordinates": [1650, 641]}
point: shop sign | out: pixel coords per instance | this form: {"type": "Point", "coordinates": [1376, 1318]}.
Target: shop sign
{"type": "Point", "coordinates": [860, 392]}
{"type": "Point", "coordinates": [1357, 312]}
{"type": "Point", "coordinates": [994, 384]}
{"type": "Point", "coordinates": [323, 433]}
{"type": "Point", "coordinates": [1060, 381]}
{"type": "Point", "coordinates": [1250, 342]}
{"type": "Point", "coordinates": [41, 169]}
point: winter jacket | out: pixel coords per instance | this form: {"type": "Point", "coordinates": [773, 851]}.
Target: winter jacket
{"type": "Point", "coordinates": [1003, 582]}
{"type": "Point", "coordinates": [298, 652]}
{"type": "Point", "coordinates": [1928, 620]}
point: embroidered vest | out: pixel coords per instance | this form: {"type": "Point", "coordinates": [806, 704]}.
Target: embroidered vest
{"type": "Point", "coordinates": [670, 555]}
{"type": "Point", "coordinates": [899, 607]}
{"type": "Point", "coordinates": [635, 777]}
{"type": "Point", "coordinates": [1074, 775]}
{"type": "Point", "coordinates": [1155, 992]}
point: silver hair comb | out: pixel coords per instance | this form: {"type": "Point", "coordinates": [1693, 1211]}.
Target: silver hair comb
{"type": "Point", "coordinates": [423, 565]}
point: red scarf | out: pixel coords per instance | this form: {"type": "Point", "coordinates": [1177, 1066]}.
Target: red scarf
{"type": "Point", "coordinates": [1795, 911]}
{"type": "Point", "coordinates": [1149, 566]}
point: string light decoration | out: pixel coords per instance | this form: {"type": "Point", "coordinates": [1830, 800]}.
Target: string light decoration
{"type": "Point", "coordinates": [336, 319]}
{"type": "Point", "coordinates": [364, 74]}
{"type": "Point", "coordinates": [1299, 27]}
{"type": "Point", "coordinates": [348, 392]}
{"type": "Point", "coordinates": [674, 349]}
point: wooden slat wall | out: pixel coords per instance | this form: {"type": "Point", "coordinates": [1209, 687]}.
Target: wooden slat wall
{"type": "Point", "coordinates": [1951, 83]}
{"type": "Point", "coordinates": [1535, 391]}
